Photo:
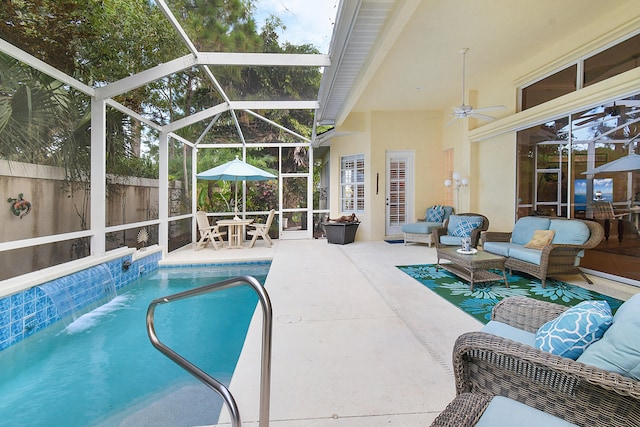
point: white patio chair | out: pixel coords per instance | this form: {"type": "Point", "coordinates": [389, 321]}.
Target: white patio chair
{"type": "Point", "coordinates": [208, 232]}
{"type": "Point", "coordinates": [262, 230]}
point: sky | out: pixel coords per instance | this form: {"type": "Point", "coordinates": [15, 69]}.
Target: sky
{"type": "Point", "coordinates": [307, 21]}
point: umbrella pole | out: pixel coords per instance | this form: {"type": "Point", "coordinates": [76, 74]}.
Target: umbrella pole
{"type": "Point", "coordinates": [236, 212]}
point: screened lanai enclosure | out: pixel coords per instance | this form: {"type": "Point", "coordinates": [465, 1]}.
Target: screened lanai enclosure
{"type": "Point", "coordinates": [108, 110]}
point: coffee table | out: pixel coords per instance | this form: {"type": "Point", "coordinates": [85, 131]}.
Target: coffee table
{"type": "Point", "coordinates": [474, 268]}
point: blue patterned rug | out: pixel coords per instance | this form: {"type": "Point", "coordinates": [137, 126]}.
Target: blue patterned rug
{"type": "Point", "coordinates": [485, 295]}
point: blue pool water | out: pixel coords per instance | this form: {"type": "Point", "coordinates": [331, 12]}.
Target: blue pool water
{"type": "Point", "coordinates": [101, 370]}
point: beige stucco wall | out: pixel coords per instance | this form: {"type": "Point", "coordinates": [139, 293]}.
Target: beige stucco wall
{"type": "Point", "coordinates": [375, 133]}
{"type": "Point", "coordinates": [355, 138]}
{"type": "Point", "coordinates": [413, 131]}
{"type": "Point", "coordinates": [54, 209]}
{"type": "Point", "coordinates": [494, 181]}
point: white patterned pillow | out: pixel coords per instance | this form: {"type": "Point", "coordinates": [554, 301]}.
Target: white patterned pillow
{"type": "Point", "coordinates": [569, 334]}
{"type": "Point", "coordinates": [465, 227]}
{"type": "Point", "coordinates": [436, 214]}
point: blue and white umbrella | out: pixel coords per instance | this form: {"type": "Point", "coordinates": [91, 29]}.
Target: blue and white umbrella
{"type": "Point", "coordinates": [235, 170]}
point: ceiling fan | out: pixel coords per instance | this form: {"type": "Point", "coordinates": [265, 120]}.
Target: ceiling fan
{"type": "Point", "coordinates": [465, 110]}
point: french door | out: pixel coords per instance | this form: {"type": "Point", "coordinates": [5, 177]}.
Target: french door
{"type": "Point", "coordinates": [398, 191]}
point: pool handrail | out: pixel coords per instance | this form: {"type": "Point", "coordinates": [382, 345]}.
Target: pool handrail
{"type": "Point", "coordinates": [221, 389]}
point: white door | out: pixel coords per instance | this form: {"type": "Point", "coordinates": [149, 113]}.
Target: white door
{"type": "Point", "coordinates": [399, 190]}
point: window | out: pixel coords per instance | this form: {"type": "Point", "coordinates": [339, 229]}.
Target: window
{"type": "Point", "coordinates": [552, 179]}
{"type": "Point", "coordinates": [600, 66]}
{"type": "Point", "coordinates": [552, 87]}
{"type": "Point", "coordinates": [613, 61]}
{"type": "Point", "coordinates": [352, 183]}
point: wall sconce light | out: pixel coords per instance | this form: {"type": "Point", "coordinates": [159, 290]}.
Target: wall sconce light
{"type": "Point", "coordinates": [458, 183]}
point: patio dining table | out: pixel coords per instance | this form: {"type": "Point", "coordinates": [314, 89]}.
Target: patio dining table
{"type": "Point", "coordinates": [236, 229]}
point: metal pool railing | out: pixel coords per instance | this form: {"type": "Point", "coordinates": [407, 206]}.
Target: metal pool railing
{"type": "Point", "coordinates": [265, 375]}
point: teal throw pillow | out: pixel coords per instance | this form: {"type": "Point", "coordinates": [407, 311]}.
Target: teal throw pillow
{"type": "Point", "coordinates": [465, 227]}
{"type": "Point", "coordinates": [569, 334]}
{"type": "Point", "coordinates": [436, 214]}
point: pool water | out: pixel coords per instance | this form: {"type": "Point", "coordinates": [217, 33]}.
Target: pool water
{"type": "Point", "coordinates": [102, 369]}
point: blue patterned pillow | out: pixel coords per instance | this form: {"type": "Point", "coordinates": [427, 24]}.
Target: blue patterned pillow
{"type": "Point", "coordinates": [436, 214]}
{"type": "Point", "coordinates": [569, 334]}
{"type": "Point", "coordinates": [465, 227]}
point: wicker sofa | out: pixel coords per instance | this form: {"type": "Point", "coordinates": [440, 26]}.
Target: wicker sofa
{"type": "Point", "coordinates": [488, 365]}
{"type": "Point", "coordinates": [560, 256]}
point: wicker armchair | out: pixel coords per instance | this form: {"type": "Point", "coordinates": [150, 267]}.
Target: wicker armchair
{"type": "Point", "coordinates": [475, 234]}
{"type": "Point", "coordinates": [555, 259]}
{"type": "Point", "coordinates": [486, 365]}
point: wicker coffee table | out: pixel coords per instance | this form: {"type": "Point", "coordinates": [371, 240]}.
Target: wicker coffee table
{"type": "Point", "coordinates": [474, 268]}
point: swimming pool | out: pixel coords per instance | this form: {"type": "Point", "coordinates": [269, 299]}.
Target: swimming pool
{"type": "Point", "coordinates": [102, 369]}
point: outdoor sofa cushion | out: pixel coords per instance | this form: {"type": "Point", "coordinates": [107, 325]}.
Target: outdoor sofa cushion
{"type": "Point", "coordinates": [422, 227]}
{"type": "Point", "coordinates": [503, 412]}
{"type": "Point", "coordinates": [425, 227]}
{"type": "Point", "coordinates": [569, 232]}
{"type": "Point", "coordinates": [525, 227]}
{"type": "Point", "coordinates": [510, 332]}
{"type": "Point", "coordinates": [619, 349]}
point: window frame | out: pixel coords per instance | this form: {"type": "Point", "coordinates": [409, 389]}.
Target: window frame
{"type": "Point", "coordinates": [352, 183]}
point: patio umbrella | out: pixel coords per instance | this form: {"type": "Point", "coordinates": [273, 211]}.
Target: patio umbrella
{"type": "Point", "coordinates": [623, 164]}
{"type": "Point", "coordinates": [236, 170]}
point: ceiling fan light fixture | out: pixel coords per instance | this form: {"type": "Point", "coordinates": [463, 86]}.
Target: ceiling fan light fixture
{"type": "Point", "coordinates": [464, 110]}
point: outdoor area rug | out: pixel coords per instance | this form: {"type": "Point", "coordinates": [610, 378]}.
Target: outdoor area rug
{"type": "Point", "coordinates": [485, 295]}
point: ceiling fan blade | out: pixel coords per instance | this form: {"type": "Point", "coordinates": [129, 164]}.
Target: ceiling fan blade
{"type": "Point", "coordinates": [495, 107]}
{"type": "Point", "coordinates": [476, 115]}
{"type": "Point", "coordinates": [453, 119]}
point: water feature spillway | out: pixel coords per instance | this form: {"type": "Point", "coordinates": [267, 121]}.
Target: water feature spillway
{"type": "Point", "coordinates": [81, 292]}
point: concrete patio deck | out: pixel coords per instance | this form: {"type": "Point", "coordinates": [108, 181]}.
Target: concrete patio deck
{"type": "Point", "coordinates": [356, 342]}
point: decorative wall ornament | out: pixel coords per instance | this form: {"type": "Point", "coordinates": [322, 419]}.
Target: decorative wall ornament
{"type": "Point", "coordinates": [19, 207]}
{"type": "Point", "coordinates": [143, 237]}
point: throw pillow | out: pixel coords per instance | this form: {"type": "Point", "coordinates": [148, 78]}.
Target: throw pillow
{"type": "Point", "coordinates": [436, 214]}
{"type": "Point", "coordinates": [569, 334]}
{"type": "Point", "coordinates": [540, 239]}
{"type": "Point", "coordinates": [465, 227]}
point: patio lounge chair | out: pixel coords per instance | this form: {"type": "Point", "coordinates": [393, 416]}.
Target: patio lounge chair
{"type": "Point", "coordinates": [262, 230]}
{"type": "Point", "coordinates": [208, 233]}
{"type": "Point", "coordinates": [421, 231]}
